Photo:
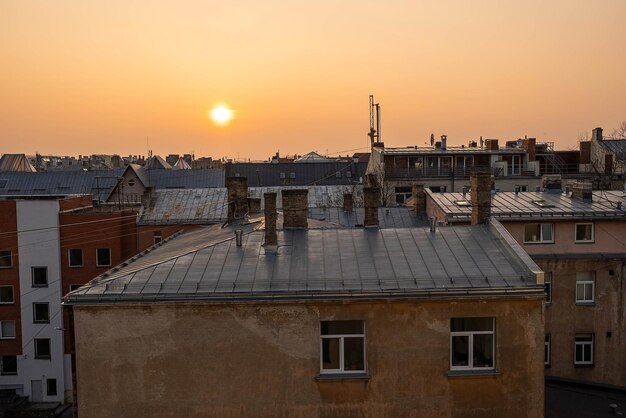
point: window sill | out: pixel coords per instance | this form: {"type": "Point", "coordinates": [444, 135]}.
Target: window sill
{"type": "Point", "coordinates": [585, 304]}
{"type": "Point", "coordinates": [583, 366]}
{"type": "Point", "coordinates": [340, 377]}
{"type": "Point", "coordinates": [75, 267]}
{"type": "Point", "coordinates": [538, 242]}
{"type": "Point", "coordinates": [584, 242]}
{"type": "Point", "coordinates": [473, 373]}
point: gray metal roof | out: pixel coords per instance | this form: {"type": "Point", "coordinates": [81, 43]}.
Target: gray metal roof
{"type": "Point", "coordinates": [535, 205]}
{"type": "Point", "coordinates": [388, 217]}
{"type": "Point", "coordinates": [185, 206]}
{"type": "Point", "coordinates": [415, 150]}
{"type": "Point", "coordinates": [319, 196]}
{"type": "Point", "coordinates": [298, 174]}
{"type": "Point", "coordinates": [616, 147]}
{"type": "Point", "coordinates": [206, 264]}
{"type": "Point", "coordinates": [157, 163]}
{"type": "Point", "coordinates": [16, 162]}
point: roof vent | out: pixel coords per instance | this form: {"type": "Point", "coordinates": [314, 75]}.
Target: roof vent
{"type": "Point", "coordinates": [433, 224]}
{"type": "Point", "coordinates": [516, 189]}
{"type": "Point", "coordinates": [239, 237]}
{"type": "Point", "coordinates": [619, 205]}
{"type": "Point", "coordinates": [543, 204]}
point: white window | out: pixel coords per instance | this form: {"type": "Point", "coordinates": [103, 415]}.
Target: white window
{"type": "Point", "coordinates": [584, 232]}
{"type": "Point", "coordinates": [583, 349]}
{"type": "Point", "coordinates": [6, 294]}
{"type": "Point", "coordinates": [547, 280]}
{"type": "Point", "coordinates": [538, 233]}
{"type": "Point", "coordinates": [103, 257]}
{"type": "Point", "coordinates": [42, 348]}
{"type": "Point", "coordinates": [6, 261]}
{"type": "Point", "coordinates": [342, 347]}
{"type": "Point", "coordinates": [547, 349]}
{"type": "Point", "coordinates": [585, 287]}
{"type": "Point", "coordinates": [40, 276]}
{"type": "Point", "coordinates": [7, 329]}
{"type": "Point", "coordinates": [472, 343]}
{"type": "Point", "coordinates": [75, 257]}
{"type": "Point", "coordinates": [41, 312]}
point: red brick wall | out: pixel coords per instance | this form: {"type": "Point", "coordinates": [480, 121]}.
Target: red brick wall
{"type": "Point", "coordinates": [10, 276]}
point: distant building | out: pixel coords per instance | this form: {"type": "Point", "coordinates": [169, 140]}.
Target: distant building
{"type": "Point", "coordinates": [241, 321]}
{"type": "Point", "coordinates": [17, 163]}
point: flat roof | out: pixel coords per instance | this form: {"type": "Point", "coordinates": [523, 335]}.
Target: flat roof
{"type": "Point", "coordinates": [206, 264]}
{"type": "Point", "coordinates": [413, 150]}
{"type": "Point", "coordinates": [535, 205]}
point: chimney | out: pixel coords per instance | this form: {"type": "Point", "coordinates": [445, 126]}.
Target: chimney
{"type": "Point", "coordinates": [596, 134]}
{"type": "Point", "coordinates": [492, 144]}
{"type": "Point", "coordinates": [254, 203]}
{"type": "Point", "coordinates": [433, 224]}
{"type": "Point", "coordinates": [531, 148]}
{"type": "Point", "coordinates": [420, 199]}
{"type": "Point", "coordinates": [444, 140]}
{"type": "Point", "coordinates": [551, 183]}
{"type": "Point", "coordinates": [371, 197]}
{"type": "Point", "coordinates": [271, 239]}
{"type": "Point", "coordinates": [146, 198]}
{"type": "Point", "coordinates": [582, 191]}
{"type": "Point", "coordinates": [239, 237]}
{"type": "Point", "coordinates": [348, 202]}
{"type": "Point", "coordinates": [295, 208]}
{"type": "Point", "coordinates": [480, 183]}
{"type": "Point", "coordinates": [237, 198]}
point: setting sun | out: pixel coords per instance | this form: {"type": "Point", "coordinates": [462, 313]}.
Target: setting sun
{"type": "Point", "coordinates": [221, 114]}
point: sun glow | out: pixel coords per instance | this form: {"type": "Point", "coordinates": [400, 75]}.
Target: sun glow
{"type": "Point", "coordinates": [221, 114]}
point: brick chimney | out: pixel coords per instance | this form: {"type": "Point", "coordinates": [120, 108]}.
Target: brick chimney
{"type": "Point", "coordinates": [531, 148]}
{"type": "Point", "coordinates": [596, 134]}
{"type": "Point", "coordinates": [254, 204]}
{"type": "Point", "coordinates": [492, 144]}
{"type": "Point", "coordinates": [146, 198]}
{"type": "Point", "coordinates": [582, 191]}
{"type": "Point", "coordinates": [551, 183]}
{"type": "Point", "coordinates": [420, 199]}
{"type": "Point", "coordinates": [237, 197]}
{"type": "Point", "coordinates": [295, 208]}
{"type": "Point", "coordinates": [348, 202]}
{"type": "Point", "coordinates": [480, 182]}
{"type": "Point", "coordinates": [271, 239]}
{"type": "Point", "coordinates": [371, 199]}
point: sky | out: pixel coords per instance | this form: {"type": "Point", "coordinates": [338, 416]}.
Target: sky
{"type": "Point", "coordinates": [123, 76]}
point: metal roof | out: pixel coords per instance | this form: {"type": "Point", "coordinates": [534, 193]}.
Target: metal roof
{"type": "Point", "coordinates": [415, 150]}
{"type": "Point", "coordinates": [535, 205]}
{"type": "Point", "coordinates": [319, 196]}
{"type": "Point", "coordinates": [206, 264]}
{"type": "Point", "coordinates": [616, 147]}
{"type": "Point", "coordinates": [157, 163]}
{"type": "Point", "coordinates": [388, 217]}
{"type": "Point", "coordinates": [297, 174]}
{"type": "Point", "coordinates": [185, 206]}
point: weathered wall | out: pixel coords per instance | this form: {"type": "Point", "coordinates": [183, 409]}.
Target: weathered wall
{"type": "Point", "coordinates": [565, 319]}
{"type": "Point", "coordinates": [262, 360]}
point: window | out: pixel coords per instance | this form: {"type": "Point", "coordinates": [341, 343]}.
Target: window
{"type": "Point", "coordinates": [41, 312]}
{"type": "Point", "coordinates": [342, 346]}
{"type": "Point", "coordinates": [131, 182]}
{"type": "Point", "coordinates": [51, 387]}
{"type": "Point", "coordinates": [585, 287]}
{"type": "Point", "coordinates": [157, 237]}
{"type": "Point", "coordinates": [103, 257]}
{"type": "Point", "coordinates": [7, 330]}
{"type": "Point", "coordinates": [6, 261]}
{"type": "Point", "coordinates": [6, 294]}
{"type": "Point", "coordinates": [42, 348]}
{"type": "Point", "coordinates": [538, 233]}
{"type": "Point", "coordinates": [547, 280]}
{"type": "Point", "coordinates": [583, 349]}
{"type": "Point", "coordinates": [8, 365]}
{"type": "Point", "coordinates": [584, 232]}
{"type": "Point", "coordinates": [75, 257]}
{"type": "Point", "coordinates": [471, 343]}
{"type": "Point", "coordinates": [39, 276]}
{"type": "Point", "coordinates": [74, 287]}
{"type": "Point", "coordinates": [547, 349]}
{"type": "Point", "coordinates": [402, 194]}
{"type": "Point", "coordinates": [338, 174]}
{"type": "Point", "coordinates": [292, 175]}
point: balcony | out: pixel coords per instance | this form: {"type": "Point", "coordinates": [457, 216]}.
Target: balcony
{"type": "Point", "coordinates": [454, 172]}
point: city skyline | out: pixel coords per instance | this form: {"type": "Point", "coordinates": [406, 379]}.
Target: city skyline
{"type": "Point", "coordinates": [125, 78]}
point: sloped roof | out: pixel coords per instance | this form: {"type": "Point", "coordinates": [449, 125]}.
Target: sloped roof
{"type": "Point", "coordinates": [157, 163]}
{"type": "Point", "coordinates": [181, 164]}
{"type": "Point", "coordinates": [616, 147]}
{"type": "Point", "coordinates": [206, 264]}
{"type": "Point", "coordinates": [535, 205]}
{"type": "Point", "coordinates": [16, 162]}
{"type": "Point", "coordinates": [312, 157]}
{"type": "Point", "coordinates": [185, 206]}
{"type": "Point", "coordinates": [294, 174]}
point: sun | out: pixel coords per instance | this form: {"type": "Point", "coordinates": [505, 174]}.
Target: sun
{"type": "Point", "coordinates": [221, 114]}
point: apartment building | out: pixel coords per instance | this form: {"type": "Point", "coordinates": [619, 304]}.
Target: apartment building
{"type": "Point", "coordinates": [49, 247]}
{"type": "Point", "coordinates": [576, 236]}
{"type": "Point", "coordinates": [253, 319]}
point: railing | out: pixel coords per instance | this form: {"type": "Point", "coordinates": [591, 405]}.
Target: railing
{"type": "Point", "coordinates": [454, 172]}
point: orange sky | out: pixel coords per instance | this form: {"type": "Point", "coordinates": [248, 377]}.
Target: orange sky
{"type": "Point", "coordinates": [82, 77]}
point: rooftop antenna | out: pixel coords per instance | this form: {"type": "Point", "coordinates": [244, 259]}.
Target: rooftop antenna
{"type": "Point", "coordinates": [374, 132]}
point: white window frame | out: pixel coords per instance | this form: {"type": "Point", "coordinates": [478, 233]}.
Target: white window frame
{"type": "Point", "coordinates": [32, 274]}
{"type": "Point", "coordinates": [585, 300]}
{"type": "Point", "coordinates": [547, 280]}
{"type": "Point", "coordinates": [540, 239]}
{"type": "Point", "coordinates": [35, 320]}
{"type": "Point", "coordinates": [584, 241]}
{"type": "Point", "coordinates": [584, 362]}
{"type": "Point", "coordinates": [10, 260]}
{"type": "Point", "coordinates": [8, 337]}
{"type": "Point", "coordinates": [98, 261]}
{"type": "Point", "coordinates": [547, 347]}
{"type": "Point", "coordinates": [341, 337]}
{"type": "Point", "coordinates": [69, 258]}
{"type": "Point", "coordinates": [42, 356]}
{"type": "Point", "coordinates": [12, 296]}
{"type": "Point", "coordinates": [470, 353]}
